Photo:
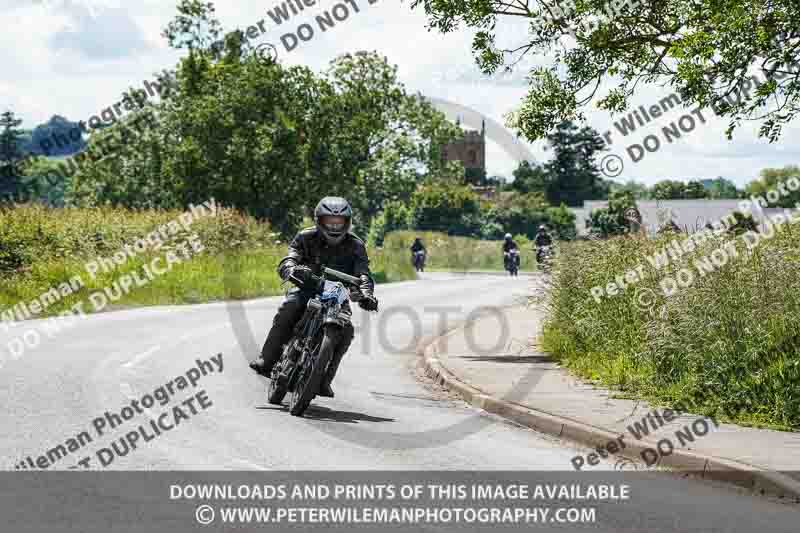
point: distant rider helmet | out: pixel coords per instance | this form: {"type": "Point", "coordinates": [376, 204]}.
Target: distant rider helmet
{"type": "Point", "coordinates": [507, 237]}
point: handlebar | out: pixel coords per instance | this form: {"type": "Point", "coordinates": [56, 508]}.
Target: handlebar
{"type": "Point", "coordinates": [342, 276]}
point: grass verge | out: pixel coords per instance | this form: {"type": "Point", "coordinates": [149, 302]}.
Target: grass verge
{"type": "Point", "coordinates": [42, 249]}
{"type": "Point", "coordinates": [727, 344]}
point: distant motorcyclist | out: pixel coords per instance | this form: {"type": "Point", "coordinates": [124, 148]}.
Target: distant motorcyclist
{"type": "Point", "coordinates": [509, 244]}
{"type": "Point", "coordinates": [542, 241]}
{"type": "Point", "coordinates": [543, 238]}
{"type": "Point", "coordinates": [418, 253]}
{"type": "Point", "coordinates": [417, 246]}
{"type": "Point", "coordinates": [329, 243]}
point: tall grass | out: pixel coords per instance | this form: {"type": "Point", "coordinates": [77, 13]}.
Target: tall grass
{"type": "Point", "coordinates": [727, 344]}
{"type": "Point", "coordinates": [43, 247]}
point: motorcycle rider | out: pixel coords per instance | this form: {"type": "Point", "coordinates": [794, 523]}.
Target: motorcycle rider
{"type": "Point", "coordinates": [542, 239]}
{"type": "Point", "coordinates": [329, 243]}
{"type": "Point", "coordinates": [417, 247]}
{"type": "Point", "coordinates": [508, 245]}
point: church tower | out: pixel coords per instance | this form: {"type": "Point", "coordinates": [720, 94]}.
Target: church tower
{"type": "Point", "coordinates": [470, 149]}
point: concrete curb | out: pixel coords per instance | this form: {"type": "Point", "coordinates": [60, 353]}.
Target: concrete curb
{"type": "Point", "coordinates": [702, 465]}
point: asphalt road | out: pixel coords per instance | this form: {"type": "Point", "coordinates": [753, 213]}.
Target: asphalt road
{"type": "Point", "coordinates": [383, 416]}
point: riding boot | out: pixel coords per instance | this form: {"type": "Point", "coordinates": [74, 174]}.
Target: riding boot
{"type": "Point", "coordinates": [290, 311]}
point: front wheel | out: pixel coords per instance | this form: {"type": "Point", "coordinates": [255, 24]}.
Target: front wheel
{"type": "Point", "coordinates": [277, 390]}
{"type": "Point", "coordinates": [308, 385]}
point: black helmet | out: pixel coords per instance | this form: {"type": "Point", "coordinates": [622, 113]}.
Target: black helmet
{"type": "Point", "coordinates": [333, 206]}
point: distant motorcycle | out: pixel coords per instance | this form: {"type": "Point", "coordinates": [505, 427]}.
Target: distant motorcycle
{"type": "Point", "coordinates": [511, 261]}
{"type": "Point", "coordinates": [544, 257]}
{"type": "Point", "coordinates": [305, 358]}
{"type": "Point", "coordinates": [418, 259]}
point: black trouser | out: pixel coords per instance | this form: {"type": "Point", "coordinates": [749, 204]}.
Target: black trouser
{"type": "Point", "coordinates": [289, 313]}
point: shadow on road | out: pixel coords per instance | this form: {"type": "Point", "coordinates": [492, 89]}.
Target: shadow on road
{"type": "Point", "coordinates": [317, 412]}
{"type": "Point", "coordinates": [517, 359]}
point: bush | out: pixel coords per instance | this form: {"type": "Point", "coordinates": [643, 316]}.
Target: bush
{"type": "Point", "coordinates": [446, 207]}
{"type": "Point", "coordinates": [730, 341]}
{"type": "Point", "coordinates": [395, 216]}
{"type": "Point", "coordinates": [492, 231]}
{"type": "Point", "coordinates": [744, 223]}
{"type": "Point", "coordinates": [562, 220]}
{"type": "Point", "coordinates": [621, 216]}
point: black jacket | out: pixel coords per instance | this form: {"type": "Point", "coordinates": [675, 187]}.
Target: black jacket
{"type": "Point", "coordinates": [543, 239]}
{"type": "Point", "coordinates": [509, 245]}
{"type": "Point", "coordinates": [417, 246]}
{"type": "Point", "coordinates": [310, 248]}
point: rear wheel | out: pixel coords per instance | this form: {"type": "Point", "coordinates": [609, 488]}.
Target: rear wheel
{"type": "Point", "coordinates": [308, 384]}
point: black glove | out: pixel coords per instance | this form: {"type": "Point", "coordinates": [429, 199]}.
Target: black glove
{"type": "Point", "coordinates": [366, 286]}
{"type": "Point", "coordinates": [302, 277]}
{"type": "Point", "coordinates": [368, 303]}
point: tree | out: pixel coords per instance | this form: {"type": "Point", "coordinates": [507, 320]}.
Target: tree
{"type": "Point", "coordinates": [475, 176]}
{"type": "Point", "coordinates": [268, 139]}
{"type": "Point", "coordinates": [770, 180]}
{"type": "Point", "coordinates": [701, 48]}
{"type": "Point", "coordinates": [12, 185]}
{"type": "Point", "coordinates": [695, 190]}
{"type": "Point", "coordinates": [45, 181]}
{"type": "Point", "coordinates": [668, 190]}
{"type": "Point", "coordinates": [385, 134]}
{"type": "Point", "coordinates": [572, 175]}
{"type": "Point", "coordinates": [447, 207]}
{"type": "Point", "coordinates": [529, 177]}
{"type": "Point", "coordinates": [723, 189]}
{"type": "Point", "coordinates": [57, 137]}
{"type": "Point", "coordinates": [638, 190]}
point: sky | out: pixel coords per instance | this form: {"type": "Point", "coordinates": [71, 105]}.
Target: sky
{"type": "Point", "coordinates": [75, 57]}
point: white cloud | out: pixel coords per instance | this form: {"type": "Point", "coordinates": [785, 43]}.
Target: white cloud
{"type": "Point", "coordinates": [50, 69]}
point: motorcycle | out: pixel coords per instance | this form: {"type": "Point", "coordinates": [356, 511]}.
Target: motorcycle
{"type": "Point", "coordinates": [511, 261]}
{"type": "Point", "coordinates": [544, 256]}
{"type": "Point", "coordinates": [419, 260]}
{"type": "Point", "coordinates": [305, 358]}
